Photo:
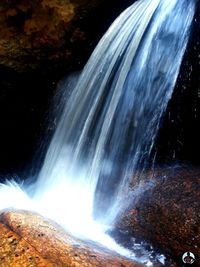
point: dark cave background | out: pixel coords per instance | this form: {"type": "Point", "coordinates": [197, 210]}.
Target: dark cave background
{"type": "Point", "coordinates": [26, 102]}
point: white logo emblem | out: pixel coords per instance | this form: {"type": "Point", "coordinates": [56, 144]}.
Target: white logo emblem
{"type": "Point", "coordinates": [188, 257]}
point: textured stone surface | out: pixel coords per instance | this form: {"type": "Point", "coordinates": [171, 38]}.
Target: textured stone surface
{"type": "Point", "coordinates": [27, 239]}
{"type": "Point", "coordinates": [17, 252]}
{"type": "Point", "coordinates": [35, 33]}
{"type": "Point", "coordinates": [168, 213]}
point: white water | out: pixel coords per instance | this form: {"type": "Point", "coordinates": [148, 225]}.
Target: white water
{"type": "Point", "coordinates": [110, 120]}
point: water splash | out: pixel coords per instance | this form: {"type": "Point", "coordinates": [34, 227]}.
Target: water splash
{"type": "Point", "coordinates": [110, 120]}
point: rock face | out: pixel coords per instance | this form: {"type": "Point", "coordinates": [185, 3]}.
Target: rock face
{"type": "Point", "coordinates": [34, 33]}
{"type": "Point", "coordinates": [49, 35]}
{"type": "Point", "coordinates": [27, 239]}
{"type": "Point", "coordinates": [168, 214]}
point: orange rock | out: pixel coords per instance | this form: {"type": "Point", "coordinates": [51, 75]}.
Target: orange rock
{"type": "Point", "coordinates": [16, 252]}
{"type": "Point", "coordinates": [27, 239]}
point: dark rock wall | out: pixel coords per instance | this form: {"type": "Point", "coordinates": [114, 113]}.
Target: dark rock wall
{"type": "Point", "coordinates": [41, 33]}
{"type": "Point", "coordinates": [48, 34]}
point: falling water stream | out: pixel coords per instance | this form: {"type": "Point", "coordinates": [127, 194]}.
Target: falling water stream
{"type": "Point", "coordinates": [110, 120]}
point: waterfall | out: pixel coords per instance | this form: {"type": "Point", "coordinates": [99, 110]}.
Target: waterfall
{"type": "Point", "coordinates": [111, 118]}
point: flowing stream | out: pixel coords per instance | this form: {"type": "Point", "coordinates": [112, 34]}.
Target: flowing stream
{"type": "Point", "coordinates": [110, 120]}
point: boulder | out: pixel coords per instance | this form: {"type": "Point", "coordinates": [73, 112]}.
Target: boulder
{"type": "Point", "coordinates": [27, 239]}
{"type": "Point", "coordinates": [167, 212]}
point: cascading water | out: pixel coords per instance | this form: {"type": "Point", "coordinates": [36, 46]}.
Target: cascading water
{"type": "Point", "coordinates": [111, 119]}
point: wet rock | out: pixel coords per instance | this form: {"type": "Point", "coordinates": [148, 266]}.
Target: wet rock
{"type": "Point", "coordinates": [27, 239]}
{"type": "Point", "coordinates": [167, 213]}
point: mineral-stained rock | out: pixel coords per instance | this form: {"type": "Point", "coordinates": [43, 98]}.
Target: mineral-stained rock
{"type": "Point", "coordinates": [168, 213]}
{"type": "Point", "coordinates": [27, 239]}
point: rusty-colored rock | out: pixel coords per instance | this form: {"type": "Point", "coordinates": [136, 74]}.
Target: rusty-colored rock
{"type": "Point", "coordinates": [27, 239]}
{"type": "Point", "coordinates": [168, 213]}
{"type": "Point", "coordinates": [15, 251]}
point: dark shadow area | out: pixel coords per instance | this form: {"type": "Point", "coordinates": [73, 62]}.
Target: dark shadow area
{"type": "Point", "coordinates": [24, 101]}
